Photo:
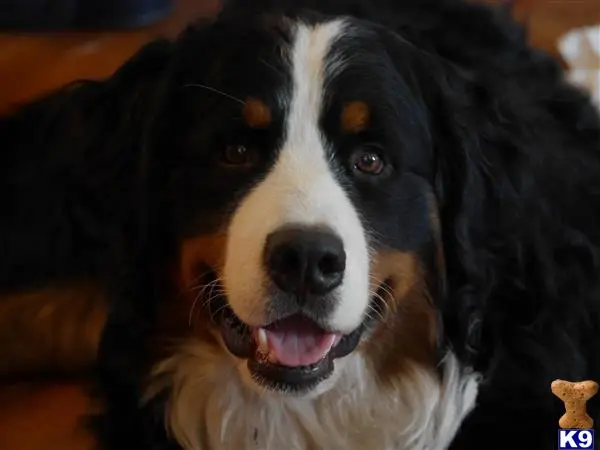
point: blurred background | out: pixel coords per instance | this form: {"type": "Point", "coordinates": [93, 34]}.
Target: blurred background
{"type": "Point", "coordinates": [31, 63]}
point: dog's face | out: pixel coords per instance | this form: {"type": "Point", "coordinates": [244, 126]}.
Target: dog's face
{"type": "Point", "coordinates": [302, 192]}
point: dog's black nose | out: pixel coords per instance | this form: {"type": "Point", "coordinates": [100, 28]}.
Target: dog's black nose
{"type": "Point", "coordinates": [305, 260]}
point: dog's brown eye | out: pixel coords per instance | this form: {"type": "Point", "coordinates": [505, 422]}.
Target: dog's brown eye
{"type": "Point", "coordinates": [237, 155]}
{"type": "Point", "coordinates": [369, 162]}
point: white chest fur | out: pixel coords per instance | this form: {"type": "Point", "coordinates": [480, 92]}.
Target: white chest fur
{"type": "Point", "coordinates": [210, 409]}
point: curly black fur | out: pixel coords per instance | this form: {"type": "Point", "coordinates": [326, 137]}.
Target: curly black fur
{"type": "Point", "coordinates": [517, 175]}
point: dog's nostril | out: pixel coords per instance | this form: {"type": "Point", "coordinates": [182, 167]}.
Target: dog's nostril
{"type": "Point", "coordinates": [330, 263]}
{"type": "Point", "coordinates": [305, 260]}
{"type": "Point", "coordinates": [287, 259]}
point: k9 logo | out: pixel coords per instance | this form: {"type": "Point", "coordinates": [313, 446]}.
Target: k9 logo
{"type": "Point", "coordinates": [575, 439]}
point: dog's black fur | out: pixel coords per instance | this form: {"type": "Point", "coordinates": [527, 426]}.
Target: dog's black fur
{"type": "Point", "coordinates": [71, 168]}
{"type": "Point", "coordinates": [518, 184]}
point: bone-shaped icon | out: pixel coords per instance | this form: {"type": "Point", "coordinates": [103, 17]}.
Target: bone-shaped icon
{"type": "Point", "coordinates": [575, 397]}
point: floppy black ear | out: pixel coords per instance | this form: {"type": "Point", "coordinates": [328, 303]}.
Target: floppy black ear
{"type": "Point", "coordinates": [137, 90]}
{"type": "Point", "coordinates": [92, 117]}
{"type": "Point", "coordinates": [87, 134]}
{"type": "Point", "coordinates": [512, 149]}
{"type": "Point", "coordinates": [73, 188]}
{"type": "Point", "coordinates": [515, 164]}
{"type": "Point", "coordinates": [516, 154]}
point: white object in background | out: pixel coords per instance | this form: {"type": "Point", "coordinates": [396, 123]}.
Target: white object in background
{"type": "Point", "coordinates": [580, 48]}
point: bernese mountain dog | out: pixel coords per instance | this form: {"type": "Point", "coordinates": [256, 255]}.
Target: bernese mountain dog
{"type": "Point", "coordinates": [316, 224]}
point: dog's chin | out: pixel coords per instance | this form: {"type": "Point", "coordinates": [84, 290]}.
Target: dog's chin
{"type": "Point", "coordinates": [272, 388]}
{"type": "Point", "coordinates": [293, 356]}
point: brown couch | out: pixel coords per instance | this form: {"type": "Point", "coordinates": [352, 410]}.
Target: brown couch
{"type": "Point", "coordinates": [48, 342]}
{"type": "Point", "coordinates": [45, 350]}
{"type": "Point", "coordinates": [44, 416]}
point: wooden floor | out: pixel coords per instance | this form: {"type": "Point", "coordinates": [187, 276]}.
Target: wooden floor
{"type": "Point", "coordinates": [32, 64]}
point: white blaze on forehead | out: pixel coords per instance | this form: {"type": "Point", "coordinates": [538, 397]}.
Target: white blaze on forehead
{"type": "Point", "coordinates": [302, 189]}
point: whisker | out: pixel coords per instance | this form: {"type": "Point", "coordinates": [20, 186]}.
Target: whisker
{"type": "Point", "coordinates": [382, 285]}
{"type": "Point", "coordinates": [193, 286]}
{"type": "Point", "coordinates": [387, 291]}
{"type": "Point", "coordinates": [200, 293]}
{"type": "Point", "coordinates": [216, 91]}
{"type": "Point", "coordinates": [199, 286]}
{"type": "Point", "coordinates": [221, 308]}
{"type": "Point", "coordinates": [271, 66]}
{"type": "Point", "coordinates": [377, 280]}
{"type": "Point", "coordinates": [192, 309]}
{"type": "Point", "coordinates": [210, 298]}
{"type": "Point", "coordinates": [379, 314]}
{"type": "Point", "coordinates": [384, 304]}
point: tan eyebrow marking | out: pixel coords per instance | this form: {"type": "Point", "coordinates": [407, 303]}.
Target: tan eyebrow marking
{"type": "Point", "coordinates": [355, 117]}
{"type": "Point", "coordinates": [256, 114]}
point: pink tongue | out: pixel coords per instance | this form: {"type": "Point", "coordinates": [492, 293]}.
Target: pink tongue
{"type": "Point", "coordinates": [298, 342]}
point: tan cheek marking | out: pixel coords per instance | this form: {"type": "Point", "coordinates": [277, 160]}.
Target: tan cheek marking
{"type": "Point", "coordinates": [55, 329]}
{"type": "Point", "coordinates": [408, 332]}
{"type": "Point", "coordinates": [402, 268]}
{"type": "Point", "coordinates": [206, 250]}
{"type": "Point", "coordinates": [256, 114]}
{"type": "Point", "coordinates": [184, 313]}
{"type": "Point", "coordinates": [355, 117]}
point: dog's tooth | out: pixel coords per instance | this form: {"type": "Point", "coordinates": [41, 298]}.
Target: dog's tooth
{"type": "Point", "coordinates": [330, 344]}
{"type": "Point", "coordinates": [263, 345]}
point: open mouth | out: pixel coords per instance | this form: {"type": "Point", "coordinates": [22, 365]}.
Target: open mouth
{"type": "Point", "coordinates": [292, 354]}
